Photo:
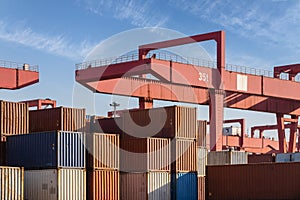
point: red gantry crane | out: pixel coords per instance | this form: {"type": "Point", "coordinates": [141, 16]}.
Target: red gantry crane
{"type": "Point", "coordinates": [191, 81]}
{"type": "Point", "coordinates": [17, 75]}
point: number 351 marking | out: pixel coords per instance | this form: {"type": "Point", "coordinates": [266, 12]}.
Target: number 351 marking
{"type": "Point", "coordinates": [203, 76]}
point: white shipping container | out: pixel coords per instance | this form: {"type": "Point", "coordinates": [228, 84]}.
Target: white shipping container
{"type": "Point", "coordinates": [201, 160]}
{"type": "Point", "coordinates": [12, 183]}
{"type": "Point", "coordinates": [227, 157]}
{"type": "Point", "coordinates": [55, 184]}
{"type": "Point", "coordinates": [150, 185]}
{"type": "Point", "coordinates": [232, 130]}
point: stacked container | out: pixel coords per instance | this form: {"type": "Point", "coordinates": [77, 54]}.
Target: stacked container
{"type": "Point", "coordinates": [11, 183]}
{"type": "Point", "coordinates": [13, 121]}
{"type": "Point", "coordinates": [103, 166]}
{"type": "Point", "coordinates": [54, 158]}
{"type": "Point", "coordinates": [227, 158]}
{"type": "Point", "coordinates": [201, 157]}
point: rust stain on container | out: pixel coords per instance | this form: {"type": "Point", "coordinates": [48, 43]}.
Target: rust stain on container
{"type": "Point", "coordinates": [60, 118]}
{"type": "Point", "coordinates": [103, 184]}
{"type": "Point", "coordinates": [14, 119]}
{"type": "Point", "coordinates": [201, 187]}
{"type": "Point", "coordinates": [254, 181]}
{"type": "Point", "coordinates": [166, 122]}
{"type": "Point", "coordinates": [262, 158]}
{"type": "Point", "coordinates": [201, 132]}
{"type": "Point", "coordinates": [184, 155]}
{"type": "Point", "coordinates": [102, 151]}
{"type": "Point", "coordinates": [145, 154]}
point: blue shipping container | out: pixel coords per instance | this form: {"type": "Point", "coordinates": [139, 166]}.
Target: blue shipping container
{"type": "Point", "coordinates": [47, 150]}
{"type": "Point", "coordinates": [184, 186]}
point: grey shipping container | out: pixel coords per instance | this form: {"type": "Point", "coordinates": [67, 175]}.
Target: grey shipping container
{"type": "Point", "coordinates": [11, 183]}
{"type": "Point", "coordinates": [253, 181]}
{"type": "Point", "coordinates": [201, 160]}
{"type": "Point", "coordinates": [184, 186]}
{"type": "Point", "coordinates": [166, 122]}
{"type": "Point", "coordinates": [227, 157]}
{"type": "Point", "coordinates": [145, 154]}
{"type": "Point", "coordinates": [58, 119]}
{"type": "Point", "coordinates": [149, 186]}
{"type": "Point", "coordinates": [55, 184]}
{"type": "Point", "coordinates": [14, 119]}
{"type": "Point", "coordinates": [102, 151]}
{"type": "Point", "coordinates": [47, 150]}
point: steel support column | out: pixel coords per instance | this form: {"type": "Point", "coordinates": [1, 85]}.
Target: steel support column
{"type": "Point", "coordinates": [281, 133]}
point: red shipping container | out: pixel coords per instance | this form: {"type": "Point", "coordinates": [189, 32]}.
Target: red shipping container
{"type": "Point", "coordinates": [201, 187]}
{"type": "Point", "coordinates": [253, 181]}
{"type": "Point", "coordinates": [261, 158]}
{"type": "Point", "coordinates": [201, 132]}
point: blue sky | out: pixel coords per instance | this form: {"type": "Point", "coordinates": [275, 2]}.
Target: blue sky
{"type": "Point", "coordinates": [58, 34]}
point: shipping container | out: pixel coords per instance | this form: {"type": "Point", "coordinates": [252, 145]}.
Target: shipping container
{"type": "Point", "coordinates": [102, 151]}
{"type": "Point", "coordinates": [183, 155]}
{"type": "Point", "coordinates": [284, 157]}
{"type": "Point", "coordinates": [261, 158]}
{"type": "Point", "coordinates": [107, 125]}
{"type": "Point", "coordinates": [201, 131]}
{"type": "Point", "coordinates": [184, 186]}
{"type": "Point", "coordinates": [46, 150]}
{"type": "Point", "coordinates": [253, 181]}
{"type": "Point", "coordinates": [2, 153]}
{"type": "Point", "coordinates": [14, 119]}
{"type": "Point", "coordinates": [146, 186]}
{"type": "Point", "coordinates": [11, 183]}
{"type": "Point", "coordinates": [103, 184]}
{"type": "Point", "coordinates": [227, 157]}
{"type": "Point", "coordinates": [145, 154]}
{"type": "Point", "coordinates": [201, 187]}
{"type": "Point", "coordinates": [201, 160]}
{"type": "Point", "coordinates": [166, 122]}
{"type": "Point", "coordinates": [55, 184]}
{"type": "Point", "coordinates": [57, 119]}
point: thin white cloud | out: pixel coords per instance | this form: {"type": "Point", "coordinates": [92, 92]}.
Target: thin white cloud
{"type": "Point", "coordinates": [141, 14]}
{"type": "Point", "coordinates": [57, 45]}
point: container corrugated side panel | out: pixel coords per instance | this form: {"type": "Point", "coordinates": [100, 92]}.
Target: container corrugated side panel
{"type": "Point", "coordinates": [218, 158]}
{"type": "Point", "coordinates": [103, 151]}
{"type": "Point", "coordinates": [11, 183]}
{"type": "Point", "coordinates": [145, 154]}
{"type": "Point", "coordinates": [159, 186]}
{"type": "Point", "coordinates": [73, 119]}
{"type": "Point", "coordinates": [201, 188]}
{"type": "Point", "coordinates": [261, 158]}
{"type": "Point", "coordinates": [71, 184]}
{"type": "Point", "coordinates": [184, 186]}
{"type": "Point", "coordinates": [107, 125]}
{"type": "Point", "coordinates": [201, 133]}
{"type": "Point", "coordinates": [14, 119]}
{"type": "Point", "coordinates": [71, 149]}
{"type": "Point", "coordinates": [296, 157]}
{"type": "Point", "coordinates": [283, 157]}
{"type": "Point", "coordinates": [239, 157]}
{"type": "Point", "coordinates": [201, 160]}
{"type": "Point", "coordinates": [186, 122]}
{"type": "Point", "coordinates": [32, 150]}
{"type": "Point", "coordinates": [184, 155]}
{"type": "Point", "coordinates": [133, 186]}
{"type": "Point", "coordinates": [103, 184]}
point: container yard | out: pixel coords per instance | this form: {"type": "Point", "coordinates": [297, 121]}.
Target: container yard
{"type": "Point", "coordinates": [155, 153]}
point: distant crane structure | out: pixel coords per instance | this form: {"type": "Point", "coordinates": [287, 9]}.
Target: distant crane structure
{"type": "Point", "coordinates": [179, 80]}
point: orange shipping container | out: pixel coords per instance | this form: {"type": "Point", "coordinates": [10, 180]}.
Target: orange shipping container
{"type": "Point", "coordinates": [145, 154]}
{"type": "Point", "coordinates": [166, 122]}
{"type": "Point", "coordinates": [14, 119]}
{"type": "Point", "coordinates": [57, 119]}
{"type": "Point", "coordinates": [184, 155]}
{"type": "Point", "coordinates": [201, 131]}
{"type": "Point", "coordinates": [201, 187]}
{"type": "Point", "coordinates": [102, 151]}
{"type": "Point", "coordinates": [103, 184]}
